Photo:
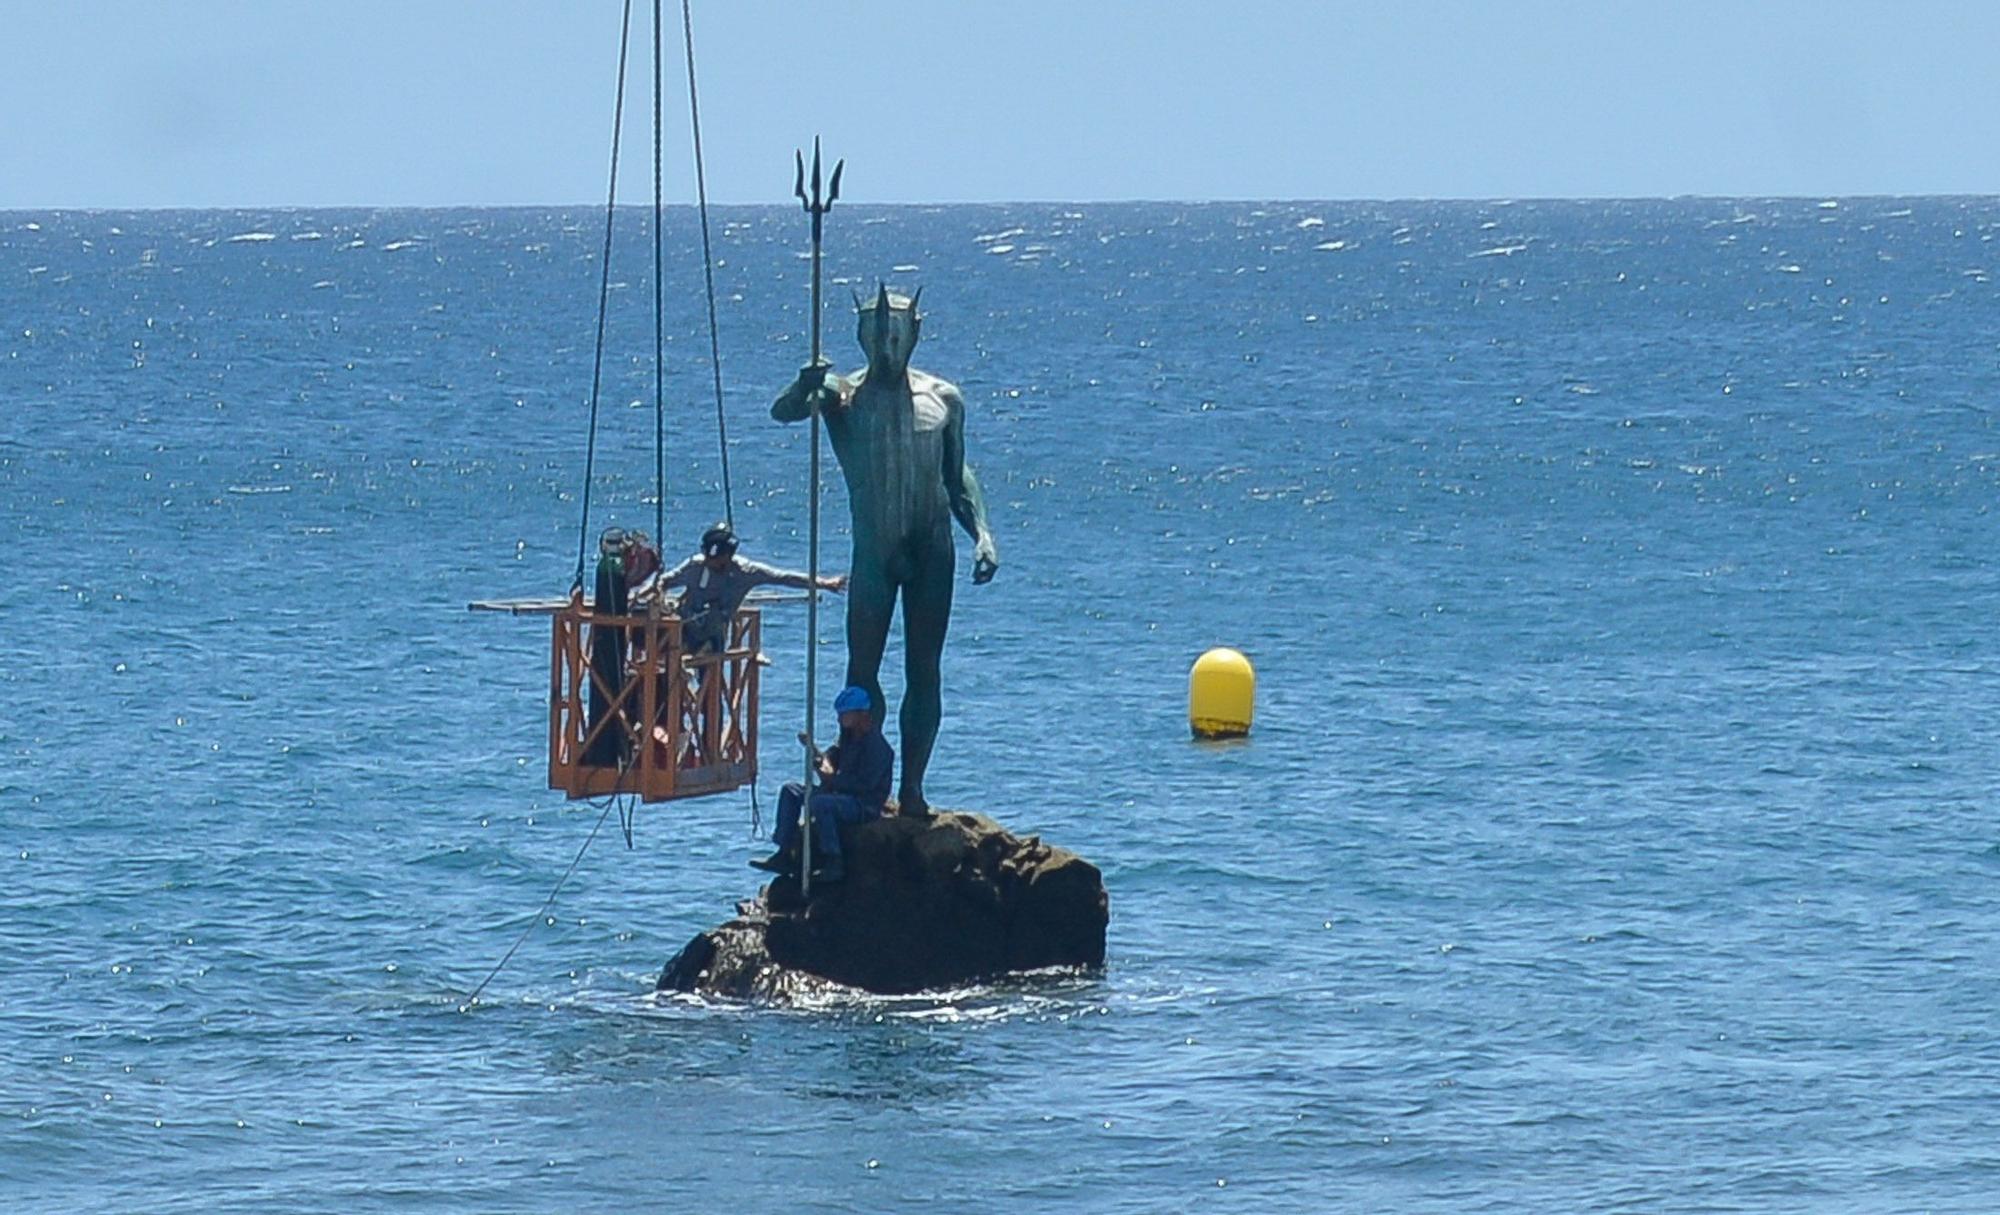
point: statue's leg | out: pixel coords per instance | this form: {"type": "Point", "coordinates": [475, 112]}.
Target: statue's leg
{"type": "Point", "coordinates": [926, 615]}
{"type": "Point", "coordinates": [871, 604]}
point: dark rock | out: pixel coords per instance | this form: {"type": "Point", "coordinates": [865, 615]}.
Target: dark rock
{"type": "Point", "coordinates": [926, 903]}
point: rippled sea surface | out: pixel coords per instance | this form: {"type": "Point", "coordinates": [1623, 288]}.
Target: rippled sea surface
{"type": "Point", "coordinates": [1617, 832]}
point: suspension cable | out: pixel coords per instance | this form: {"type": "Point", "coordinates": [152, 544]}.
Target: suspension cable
{"type": "Point", "coordinates": [659, 307]}
{"type": "Point", "coordinates": [603, 297]}
{"type": "Point", "coordinates": [708, 269]}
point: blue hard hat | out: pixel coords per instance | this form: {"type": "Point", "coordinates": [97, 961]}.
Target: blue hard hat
{"type": "Point", "coordinates": [851, 699]}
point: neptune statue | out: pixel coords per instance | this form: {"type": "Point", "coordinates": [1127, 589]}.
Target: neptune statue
{"type": "Point", "coordinates": [899, 434]}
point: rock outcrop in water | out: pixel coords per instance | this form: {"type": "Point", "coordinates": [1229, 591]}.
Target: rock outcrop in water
{"type": "Point", "coordinates": [927, 903]}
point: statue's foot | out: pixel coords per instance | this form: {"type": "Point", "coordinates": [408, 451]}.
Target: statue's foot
{"type": "Point", "coordinates": [913, 805]}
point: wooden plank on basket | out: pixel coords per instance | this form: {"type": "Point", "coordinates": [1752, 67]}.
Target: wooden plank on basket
{"type": "Point", "coordinates": [551, 607]}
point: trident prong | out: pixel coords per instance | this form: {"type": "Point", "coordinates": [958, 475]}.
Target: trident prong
{"type": "Point", "coordinates": [813, 204]}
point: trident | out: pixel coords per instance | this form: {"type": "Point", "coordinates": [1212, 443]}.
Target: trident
{"type": "Point", "coordinates": [816, 207]}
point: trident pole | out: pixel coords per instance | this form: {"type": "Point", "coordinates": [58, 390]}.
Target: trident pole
{"type": "Point", "coordinates": [817, 207]}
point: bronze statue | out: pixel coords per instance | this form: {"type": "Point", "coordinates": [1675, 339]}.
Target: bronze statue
{"type": "Point", "coordinates": [899, 434]}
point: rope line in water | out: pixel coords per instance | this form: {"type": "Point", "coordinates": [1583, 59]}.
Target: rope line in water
{"type": "Point", "coordinates": [546, 903]}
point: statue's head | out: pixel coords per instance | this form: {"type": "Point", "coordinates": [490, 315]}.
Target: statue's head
{"type": "Point", "coordinates": [887, 328]}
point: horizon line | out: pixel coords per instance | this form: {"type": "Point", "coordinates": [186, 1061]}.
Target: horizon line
{"type": "Point", "coordinates": [1492, 199]}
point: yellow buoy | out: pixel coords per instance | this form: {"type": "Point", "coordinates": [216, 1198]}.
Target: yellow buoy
{"type": "Point", "coordinates": [1222, 691]}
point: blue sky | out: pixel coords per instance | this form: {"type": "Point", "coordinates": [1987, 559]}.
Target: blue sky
{"type": "Point", "coordinates": [212, 103]}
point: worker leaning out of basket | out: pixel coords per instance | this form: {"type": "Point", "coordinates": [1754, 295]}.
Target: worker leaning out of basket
{"type": "Point", "coordinates": [713, 584]}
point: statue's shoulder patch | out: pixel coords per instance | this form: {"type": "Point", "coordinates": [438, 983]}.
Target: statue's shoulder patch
{"type": "Point", "coordinates": [932, 400]}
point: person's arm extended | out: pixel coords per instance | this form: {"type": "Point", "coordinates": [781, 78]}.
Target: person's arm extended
{"type": "Point", "coordinates": [680, 575]}
{"type": "Point", "coordinates": [658, 585]}
{"type": "Point", "coordinates": [760, 574]}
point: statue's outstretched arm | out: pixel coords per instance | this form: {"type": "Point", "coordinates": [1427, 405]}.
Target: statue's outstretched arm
{"type": "Point", "coordinates": [795, 403]}
{"type": "Point", "coordinates": [967, 505]}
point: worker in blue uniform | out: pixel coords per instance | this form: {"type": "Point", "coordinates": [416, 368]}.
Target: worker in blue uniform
{"type": "Point", "coordinates": [855, 775]}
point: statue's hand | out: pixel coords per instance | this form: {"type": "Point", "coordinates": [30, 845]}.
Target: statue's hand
{"type": "Point", "coordinates": [812, 376]}
{"type": "Point", "coordinates": [985, 564]}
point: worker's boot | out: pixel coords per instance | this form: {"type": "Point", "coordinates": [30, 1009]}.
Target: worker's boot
{"type": "Point", "coordinates": [785, 862]}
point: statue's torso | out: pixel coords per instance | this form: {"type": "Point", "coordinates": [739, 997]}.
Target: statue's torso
{"type": "Point", "coordinates": [890, 442]}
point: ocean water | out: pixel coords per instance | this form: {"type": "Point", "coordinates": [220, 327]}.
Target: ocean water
{"type": "Point", "coordinates": [1617, 833]}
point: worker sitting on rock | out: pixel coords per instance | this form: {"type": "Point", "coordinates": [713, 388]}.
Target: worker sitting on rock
{"type": "Point", "coordinates": [716, 581]}
{"type": "Point", "coordinates": [854, 783]}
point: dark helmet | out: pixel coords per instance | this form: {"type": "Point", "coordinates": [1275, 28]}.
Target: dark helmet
{"type": "Point", "coordinates": [718, 541]}
{"type": "Point", "coordinates": [612, 541]}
